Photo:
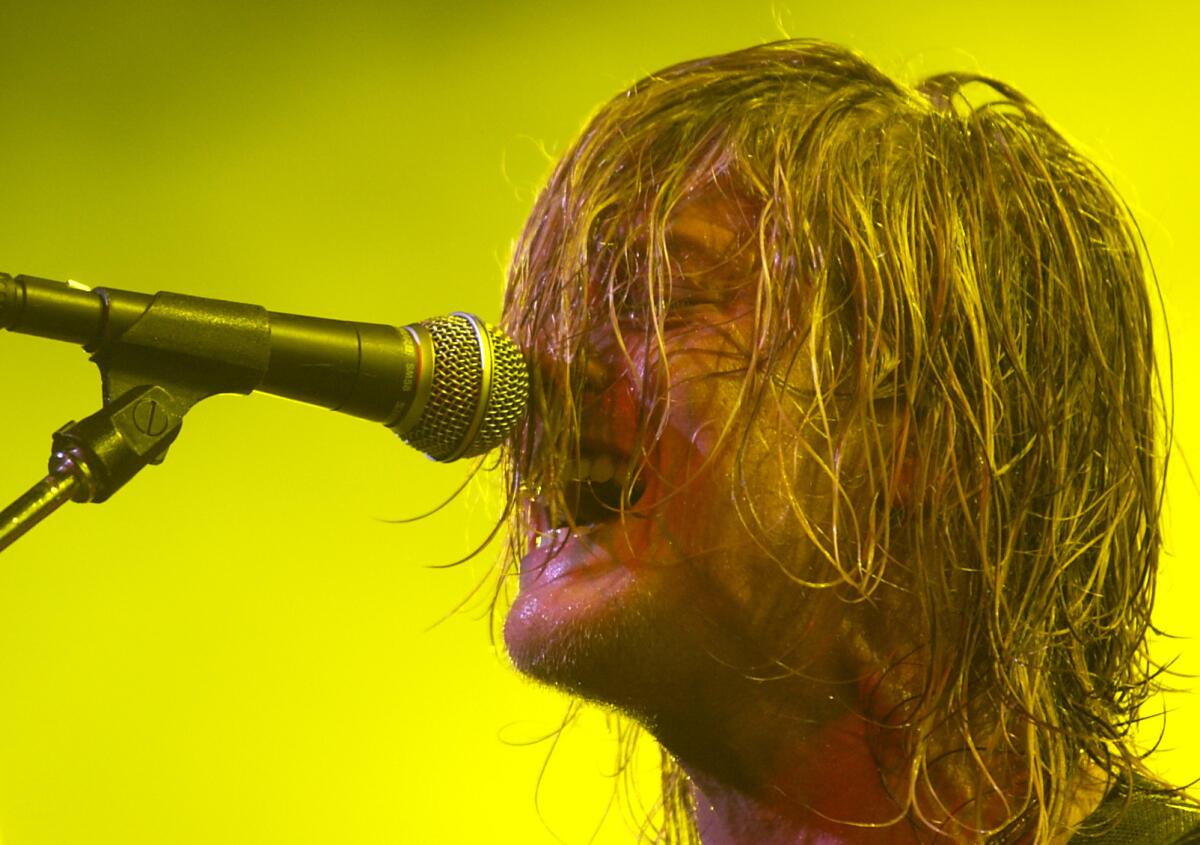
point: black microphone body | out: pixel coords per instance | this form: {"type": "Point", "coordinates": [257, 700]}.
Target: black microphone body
{"type": "Point", "coordinates": [451, 386]}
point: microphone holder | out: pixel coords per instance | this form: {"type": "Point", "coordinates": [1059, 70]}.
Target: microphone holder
{"type": "Point", "coordinates": [93, 458]}
{"type": "Point", "coordinates": [151, 377]}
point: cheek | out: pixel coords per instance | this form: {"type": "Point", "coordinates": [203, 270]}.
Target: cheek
{"type": "Point", "coordinates": [765, 507]}
{"type": "Point", "coordinates": [701, 387]}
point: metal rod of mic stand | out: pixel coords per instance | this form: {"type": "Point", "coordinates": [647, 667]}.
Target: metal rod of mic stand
{"type": "Point", "coordinates": [44, 498]}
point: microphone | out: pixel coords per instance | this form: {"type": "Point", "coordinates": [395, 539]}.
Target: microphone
{"type": "Point", "coordinates": [452, 387]}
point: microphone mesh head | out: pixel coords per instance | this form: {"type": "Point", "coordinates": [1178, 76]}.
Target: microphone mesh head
{"type": "Point", "coordinates": [458, 380]}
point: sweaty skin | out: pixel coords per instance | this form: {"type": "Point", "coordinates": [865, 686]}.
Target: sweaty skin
{"type": "Point", "coordinates": [780, 699]}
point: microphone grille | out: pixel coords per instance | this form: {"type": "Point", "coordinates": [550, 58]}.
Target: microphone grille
{"type": "Point", "coordinates": [469, 359]}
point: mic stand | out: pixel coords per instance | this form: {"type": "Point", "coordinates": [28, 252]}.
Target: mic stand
{"type": "Point", "coordinates": [154, 367]}
{"type": "Point", "coordinates": [43, 499]}
{"type": "Point", "coordinates": [93, 458]}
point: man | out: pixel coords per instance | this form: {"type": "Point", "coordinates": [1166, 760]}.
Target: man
{"type": "Point", "coordinates": [844, 471]}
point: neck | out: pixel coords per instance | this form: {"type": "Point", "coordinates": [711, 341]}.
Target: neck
{"type": "Point", "coordinates": [829, 790]}
{"type": "Point", "coordinates": [838, 771]}
{"type": "Point", "coordinates": [835, 791]}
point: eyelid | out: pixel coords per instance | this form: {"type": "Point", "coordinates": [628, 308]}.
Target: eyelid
{"type": "Point", "coordinates": [690, 295]}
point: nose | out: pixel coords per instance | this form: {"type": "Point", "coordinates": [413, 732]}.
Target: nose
{"type": "Point", "coordinates": [591, 367]}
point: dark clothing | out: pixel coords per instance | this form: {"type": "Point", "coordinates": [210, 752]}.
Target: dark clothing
{"type": "Point", "coordinates": [1149, 819]}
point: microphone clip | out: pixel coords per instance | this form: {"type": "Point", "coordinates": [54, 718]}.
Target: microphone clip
{"type": "Point", "coordinates": [93, 458]}
{"type": "Point", "coordinates": [157, 355]}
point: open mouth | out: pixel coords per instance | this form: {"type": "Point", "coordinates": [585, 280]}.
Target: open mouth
{"type": "Point", "coordinates": [596, 489]}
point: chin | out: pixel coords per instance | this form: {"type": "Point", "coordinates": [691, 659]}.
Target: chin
{"type": "Point", "coordinates": [583, 635]}
{"type": "Point", "coordinates": [617, 638]}
{"type": "Point", "coordinates": [578, 596]}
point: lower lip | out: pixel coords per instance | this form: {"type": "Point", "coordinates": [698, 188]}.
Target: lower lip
{"type": "Point", "coordinates": [567, 584]}
{"type": "Point", "coordinates": [567, 553]}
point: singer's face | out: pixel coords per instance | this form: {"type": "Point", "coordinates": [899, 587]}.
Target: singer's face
{"type": "Point", "coordinates": [652, 610]}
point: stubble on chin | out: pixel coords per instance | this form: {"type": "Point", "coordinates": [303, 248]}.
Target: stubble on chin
{"type": "Point", "coordinates": [591, 653]}
{"type": "Point", "coordinates": [635, 653]}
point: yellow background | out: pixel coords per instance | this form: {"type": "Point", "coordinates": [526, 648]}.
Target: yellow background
{"type": "Point", "coordinates": [234, 650]}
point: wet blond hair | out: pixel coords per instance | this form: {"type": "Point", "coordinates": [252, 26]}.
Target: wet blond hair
{"type": "Point", "coordinates": [970, 295]}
